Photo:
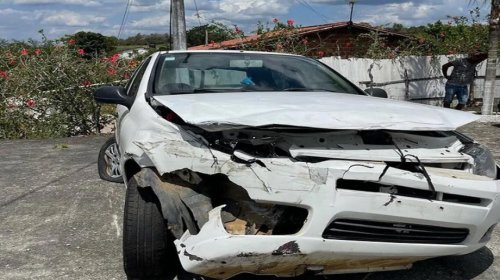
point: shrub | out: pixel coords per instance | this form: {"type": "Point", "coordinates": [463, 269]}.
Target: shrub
{"type": "Point", "coordinates": [46, 90]}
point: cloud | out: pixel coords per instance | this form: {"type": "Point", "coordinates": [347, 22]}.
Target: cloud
{"type": "Point", "coordinates": [356, 2]}
{"type": "Point", "coordinates": [68, 18]}
{"type": "Point", "coordinates": [157, 21]}
{"type": "Point", "coordinates": [409, 13]}
{"type": "Point", "coordinates": [20, 19]}
{"type": "Point", "coordinates": [87, 3]}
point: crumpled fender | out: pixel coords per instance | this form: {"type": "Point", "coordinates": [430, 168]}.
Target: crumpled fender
{"type": "Point", "coordinates": [181, 203]}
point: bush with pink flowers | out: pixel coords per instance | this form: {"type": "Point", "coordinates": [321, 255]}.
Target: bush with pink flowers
{"type": "Point", "coordinates": [46, 90]}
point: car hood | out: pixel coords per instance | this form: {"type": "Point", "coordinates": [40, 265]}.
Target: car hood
{"type": "Point", "coordinates": [326, 110]}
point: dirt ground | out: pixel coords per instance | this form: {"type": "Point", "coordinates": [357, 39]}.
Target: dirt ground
{"type": "Point", "coordinates": [58, 220]}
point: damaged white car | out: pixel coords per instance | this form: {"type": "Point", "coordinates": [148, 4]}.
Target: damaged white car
{"type": "Point", "coordinates": [274, 164]}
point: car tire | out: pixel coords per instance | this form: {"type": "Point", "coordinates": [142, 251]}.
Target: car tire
{"type": "Point", "coordinates": [146, 241]}
{"type": "Point", "coordinates": [108, 162]}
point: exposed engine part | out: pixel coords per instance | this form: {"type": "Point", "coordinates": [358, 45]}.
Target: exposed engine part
{"type": "Point", "coordinates": [433, 149]}
{"type": "Point", "coordinates": [244, 216]}
{"type": "Point", "coordinates": [185, 204]}
{"type": "Point", "coordinates": [251, 218]}
{"type": "Point", "coordinates": [484, 162]}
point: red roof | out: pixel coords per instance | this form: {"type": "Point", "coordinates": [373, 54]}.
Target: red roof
{"type": "Point", "coordinates": [300, 31]}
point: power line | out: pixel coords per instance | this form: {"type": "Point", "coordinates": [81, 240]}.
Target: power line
{"type": "Point", "coordinates": [197, 13]}
{"type": "Point", "coordinates": [307, 5]}
{"type": "Point", "coordinates": [124, 19]}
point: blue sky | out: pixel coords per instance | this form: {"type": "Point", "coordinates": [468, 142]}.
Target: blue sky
{"type": "Point", "coordinates": [21, 19]}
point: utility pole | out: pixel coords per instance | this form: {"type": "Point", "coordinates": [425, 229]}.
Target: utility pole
{"type": "Point", "coordinates": [178, 24]}
{"type": "Point", "coordinates": [492, 62]}
{"type": "Point", "coordinates": [351, 2]}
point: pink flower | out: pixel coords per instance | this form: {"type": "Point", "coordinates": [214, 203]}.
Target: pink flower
{"type": "Point", "coordinates": [38, 52]}
{"type": "Point", "coordinates": [321, 54]}
{"type": "Point", "coordinates": [114, 58]}
{"type": "Point", "coordinates": [81, 51]}
{"type": "Point", "coordinates": [30, 103]}
{"type": "Point", "coordinates": [237, 30]}
{"type": "Point", "coordinates": [4, 74]}
{"type": "Point", "coordinates": [275, 20]}
{"type": "Point", "coordinates": [72, 41]}
{"type": "Point", "coordinates": [111, 71]}
{"type": "Point", "coordinates": [24, 52]}
{"type": "Point", "coordinates": [290, 22]}
{"type": "Point", "coordinates": [87, 83]}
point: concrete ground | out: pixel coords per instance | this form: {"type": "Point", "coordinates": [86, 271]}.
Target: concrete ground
{"type": "Point", "coordinates": [58, 220]}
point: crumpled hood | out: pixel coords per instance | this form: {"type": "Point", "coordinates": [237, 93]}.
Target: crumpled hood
{"type": "Point", "coordinates": [327, 110]}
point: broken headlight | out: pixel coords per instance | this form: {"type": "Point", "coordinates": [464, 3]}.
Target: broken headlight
{"type": "Point", "coordinates": [484, 162]}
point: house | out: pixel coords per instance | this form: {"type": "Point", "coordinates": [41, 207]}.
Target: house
{"type": "Point", "coordinates": [133, 53]}
{"type": "Point", "coordinates": [334, 39]}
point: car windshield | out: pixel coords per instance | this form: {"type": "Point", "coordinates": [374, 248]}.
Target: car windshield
{"type": "Point", "coordinates": [185, 73]}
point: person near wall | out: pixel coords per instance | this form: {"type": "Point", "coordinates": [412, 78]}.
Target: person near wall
{"type": "Point", "coordinates": [461, 75]}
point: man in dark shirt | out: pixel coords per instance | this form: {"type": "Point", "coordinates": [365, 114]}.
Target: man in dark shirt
{"type": "Point", "coordinates": [461, 76]}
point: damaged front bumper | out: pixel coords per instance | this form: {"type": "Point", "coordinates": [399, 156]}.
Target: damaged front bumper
{"type": "Point", "coordinates": [216, 253]}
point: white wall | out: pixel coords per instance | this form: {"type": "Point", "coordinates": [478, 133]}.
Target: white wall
{"type": "Point", "coordinates": [388, 70]}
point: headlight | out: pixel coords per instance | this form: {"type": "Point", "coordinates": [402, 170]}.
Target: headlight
{"type": "Point", "coordinates": [484, 163]}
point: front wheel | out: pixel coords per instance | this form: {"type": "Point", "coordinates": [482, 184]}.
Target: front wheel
{"type": "Point", "coordinates": [108, 162]}
{"type": "Point", "coordinates": [146, 242]}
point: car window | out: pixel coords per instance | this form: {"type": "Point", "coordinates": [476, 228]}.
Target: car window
{"type": "Point", "coordinates": [182, 73]}
{"type": "Point", "coordinates": [134, 82]}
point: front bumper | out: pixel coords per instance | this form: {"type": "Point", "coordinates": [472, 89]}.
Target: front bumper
{"type": "Point", "coordinates": [216, 253]}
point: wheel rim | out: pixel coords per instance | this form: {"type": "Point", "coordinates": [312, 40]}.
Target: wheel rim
{"type": "Point", "coordinates": [112, 159]}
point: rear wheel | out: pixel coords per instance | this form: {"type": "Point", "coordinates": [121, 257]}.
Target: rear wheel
{"type": "Point", "coordinates": [146, 242]}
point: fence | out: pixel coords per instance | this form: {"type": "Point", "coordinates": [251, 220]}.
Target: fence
{"type": "Point", "coordinates": [413, 78]}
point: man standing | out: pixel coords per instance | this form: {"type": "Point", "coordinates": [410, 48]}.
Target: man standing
{"type": "Point", "coordinates": [461, 76]}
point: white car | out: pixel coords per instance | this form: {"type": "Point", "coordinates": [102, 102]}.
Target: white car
{"type": "Point", "coordinates": [274, 164]}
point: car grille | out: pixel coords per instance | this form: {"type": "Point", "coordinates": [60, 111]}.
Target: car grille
{"type": "Point", "coordinates": [361, 230]}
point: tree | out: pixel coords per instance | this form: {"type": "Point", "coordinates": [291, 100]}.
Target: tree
{"type": "Point", "coordinates": [142, 39]}
{"type": "Point", "coordinates": [217, 32]}
{"type": "Point", "coordinates": [491, 65]}
{"type": "Point", "coordinates": [94, 44]}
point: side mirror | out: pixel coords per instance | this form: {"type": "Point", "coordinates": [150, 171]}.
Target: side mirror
{"type": "Point", "coordinates": [113, 95]}
{"type": "Point", "coordinates": [376, 92]}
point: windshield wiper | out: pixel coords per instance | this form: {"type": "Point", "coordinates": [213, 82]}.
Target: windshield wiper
{"type": "Point", "coordinates": [306, 89]}
{"type": "Point", "coordinates": [200, 90]}
{"type": "Point", "coordinates": [214, 90]}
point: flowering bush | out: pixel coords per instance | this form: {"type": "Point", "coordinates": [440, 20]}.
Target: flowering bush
{"type": "Point", "coordinates": [283, 37]}
{"type": "Point", "coordinates": [459, 35]}
{"type": "Point", "coordinates": [46, 90]}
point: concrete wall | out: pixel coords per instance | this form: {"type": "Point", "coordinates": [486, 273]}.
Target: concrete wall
{"type": "Point", "coordinates": [392, 71]}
